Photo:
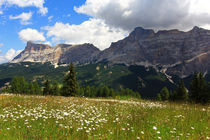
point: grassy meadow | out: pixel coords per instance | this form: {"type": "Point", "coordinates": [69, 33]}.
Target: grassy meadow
{"type": "Point", "coordinates": [60, 118]}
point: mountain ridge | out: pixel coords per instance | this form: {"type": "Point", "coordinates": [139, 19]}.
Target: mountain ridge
{"type": "Point", "coordinates": [173, 52]}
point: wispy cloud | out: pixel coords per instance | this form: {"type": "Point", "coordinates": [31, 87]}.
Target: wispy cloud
{"type": "Point", "coordinates": [27, 3]}
{"type": "Point", "coordinates": [24, 18]}
{"type": "Point", "coordinates": [10, 54]}
{"type": "Point", "coordinates": [50, 18]}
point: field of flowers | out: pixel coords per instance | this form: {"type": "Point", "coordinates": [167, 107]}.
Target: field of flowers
{"type": "Point", "coordinates": [39, 117]}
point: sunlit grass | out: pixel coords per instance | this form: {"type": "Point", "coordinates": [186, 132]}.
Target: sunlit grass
{"type": "Point", "coordinates": [39, 117]}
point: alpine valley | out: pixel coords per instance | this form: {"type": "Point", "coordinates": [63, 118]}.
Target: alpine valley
{"type": "Point", "coordinates": [145, 61]}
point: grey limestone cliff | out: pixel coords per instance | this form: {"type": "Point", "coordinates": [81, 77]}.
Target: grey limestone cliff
{"type": "Point", "coordinates": [62, 53]}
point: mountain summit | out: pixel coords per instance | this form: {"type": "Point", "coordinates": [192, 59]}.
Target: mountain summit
{"type": "Point", "coordinates": [62, 53]}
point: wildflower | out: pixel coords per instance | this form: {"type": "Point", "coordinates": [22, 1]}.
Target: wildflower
{"type": "Point", "coordinates": [159, 138]}
{"type": "Point", "coordinates": [65, 114]}
{"type": "Point", "coordinates": [158, 132]}
{"type": "Point", "coordinates": [142, 132]}
{"type": "Point", "coordinates": [154, 127]}
{"type": "Point", "coordinates": [192, 128]}
{"type": "Point", "coordinates": [138, 138]}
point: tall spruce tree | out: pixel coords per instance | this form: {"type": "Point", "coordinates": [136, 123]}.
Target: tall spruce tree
{"type": "Point", "coordinates": [55, 89]}
{"type": "Point", "coordinates": [70, 85]}
{"type": "Point", "coordinates": [198, 88]}
{"type": "Point", "coordinates": [46, 90]}
{"type": "Point", "coordinates": [37, 88]}
{"type": "Point", "coordinates": [164, 94]}
{"type": "Point", "coordinates": [181, 92]}
{"type": "Point", "coordinates": [19, 85]}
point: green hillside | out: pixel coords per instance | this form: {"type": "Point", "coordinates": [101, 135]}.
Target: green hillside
{"type": "Point", "coordinates": [147, 81]}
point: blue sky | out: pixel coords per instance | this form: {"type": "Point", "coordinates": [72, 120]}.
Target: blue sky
{"type": "Point", "coordinates": [99, 22]}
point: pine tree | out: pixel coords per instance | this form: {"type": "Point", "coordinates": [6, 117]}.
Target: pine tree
{"type": "Point", "coordinates": [15, 85]}
{"type": "Point", "coordinates": [31, 88]}
{"type": "Point", "coordinates": [164, 94]}
{"type": "Point", "coordinates": [55, 89]}
{"type": "Point", "coordinates": [159, 97]}
{"type": "Point", "coordinates": [46, 90]}
{"type": "Point", "coordinates": [198, 88]}
{"type": "Point", "coordinates": [99, 92]}
{"type": "Point", "coordinates": [70, 85]}
{"type": "Point", "coordinates": [105, 91]}
{"type": "Point", "coordinates": [181, 92]}
{"type": "Point", "coordinates": [87, 92]}
{"type": "Point", "coordinates": [18, 85]}
{"type": "Point", "coordinates": [37, 88]}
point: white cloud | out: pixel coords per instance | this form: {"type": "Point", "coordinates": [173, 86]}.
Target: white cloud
{"type": "Point", "coordinates": [31, 35]}
{"type": "Point", "coordinates": [158, 14]}
{"type": "Point", "coordinates": [50, 18]}
{"type": "Point", "coordinates": [24, 18]}
{"type": "Point", "coordinates": [10, 54]}
{"type": "Point", "coordinates": [1, 12]}
{"type": "Point", "coordinates": [93, 31]}
{"type": "Point", "coordinates": [27, 3]}
{"type": "Point", "coordinates": [1, 44]}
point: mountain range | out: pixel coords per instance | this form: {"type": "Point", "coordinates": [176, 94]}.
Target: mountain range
{"type": "Point", "coordinates": [171, 52]}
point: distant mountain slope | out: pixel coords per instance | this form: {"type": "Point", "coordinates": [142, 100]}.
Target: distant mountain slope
{"type": "Point", "coordinates": [62, 53]}
{"type": "Point", "coordinates": [176, 52]}
{"type": "Point", "coordinates": [145, 80]}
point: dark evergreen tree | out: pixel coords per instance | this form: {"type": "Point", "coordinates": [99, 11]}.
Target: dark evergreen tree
{"type": "Point", "coordinates": [87, 92]}
{"type": "Point", "coordinates": [18, 85]}
{"type": "Point", "coordinates": [198, 89]}
{"type": "Point", "coordinates": [81, 91]}
{"type": "Point", "coordinates": [46, 90]}
{"type": "Point", "coordinates": [31, 88]}
{"type": "Point", "coordinates": [181, 91]}
{"type": "Point", "coordinates": [99, 92]}
{"type": "Point", "coordinates": [55, 90]}
{"type": "Point", "coordinates": [70, 85]}
{"type": "Point", "coordinates": [159, 97]}
{"type": "Point", "coordinates": [105, 92]}
{"type": "Point", "coordinates": [164, 94]}
{"type": "Point", "coordinates": [37, 88]}
{"type": "Point", "coordinates": [111, 93]}
{"type": "Point", "coordinates": [15, 85]}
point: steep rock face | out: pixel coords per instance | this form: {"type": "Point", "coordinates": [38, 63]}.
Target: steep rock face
{"type": "Point", "coordinates": [62, 53]}
{"type": "Point", "coordinates": [176, 52]}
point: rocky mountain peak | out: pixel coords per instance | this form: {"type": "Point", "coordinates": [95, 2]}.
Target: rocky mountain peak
{"type": "Point", "coordinates": [140, 32]}
{"type": "Point", "coordinates": [61, 53]}
{"type": "Point", "coordinates": [36, 46]}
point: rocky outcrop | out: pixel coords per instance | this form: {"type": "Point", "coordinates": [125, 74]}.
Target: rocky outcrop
{"type": "Point", "coordinates": [174, 51]}
{"type": "Point", "coordinates": [62, 53]}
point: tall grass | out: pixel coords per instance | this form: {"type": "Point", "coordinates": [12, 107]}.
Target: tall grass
{"type": "Point", "coordinates": [39, 117]}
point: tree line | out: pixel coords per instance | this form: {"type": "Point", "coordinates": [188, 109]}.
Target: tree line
{"type": "Point", "coordinates": [69, 87]}
{"type": "Point", "coordinates": [199, 91]}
